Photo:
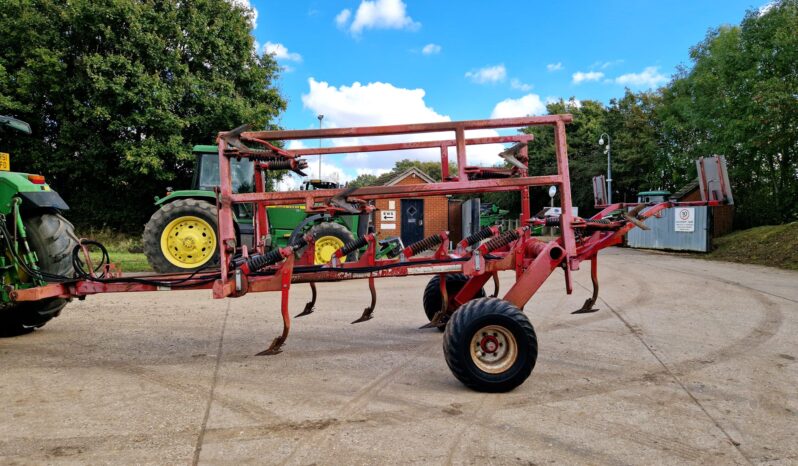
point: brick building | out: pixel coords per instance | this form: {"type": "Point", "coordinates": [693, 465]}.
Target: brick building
{"type": "Point", "coordinates": [412, 218]}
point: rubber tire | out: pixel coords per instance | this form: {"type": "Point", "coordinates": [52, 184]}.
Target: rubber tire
{"type": "Point", "coordinates": [51, 237]}
{"type": "Point", "coordinates": [162, 217]}
{"type": "Point", "coordinates": [337, 230]}
{"type": "Point", "coordinates": [475, 315]}
{"type": "Point", "coordinates": [432, 293]}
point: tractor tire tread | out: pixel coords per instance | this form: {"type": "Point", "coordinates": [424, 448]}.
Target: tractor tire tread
{"type": "Point", "coordinates": [151, 239]}
{"type": "Point", "coordinates": [468, 319]}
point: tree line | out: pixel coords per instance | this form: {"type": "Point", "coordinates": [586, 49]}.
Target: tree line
{"type": "Point", "coordinates": [117, 92]}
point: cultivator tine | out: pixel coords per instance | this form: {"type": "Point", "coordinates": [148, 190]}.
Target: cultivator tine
{"type": "Point", "coordinates": [309, 306]}
{"type": "Point", "coordinates": [438, 320]}
{"type": "Point", "coordinates": [285, 282]}
{"type": "Point", "coordinates": [495, 285]}
{"type": "Point", "coordinates": [368, 312]}
{"type": "Point", "coordinates": [588, 308]}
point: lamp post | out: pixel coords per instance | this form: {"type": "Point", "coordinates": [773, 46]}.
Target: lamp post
{"type": "Point", "coordinates": [608, 151]}
{"type": "Point", "coordinates": [320, 117]}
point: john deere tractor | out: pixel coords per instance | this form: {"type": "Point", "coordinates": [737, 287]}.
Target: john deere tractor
{"type": "Point", "coordinates": [181, 234]}
{"type": "Point", "coordinates": [36, 242]}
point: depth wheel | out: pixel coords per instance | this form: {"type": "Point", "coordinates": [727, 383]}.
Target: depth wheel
{"type": "Point", "coordinates": [490, 345]}
{"type": "Point", "coordinates": [181, 237]}
{"type": "Point", "coordinates": [432, 293]}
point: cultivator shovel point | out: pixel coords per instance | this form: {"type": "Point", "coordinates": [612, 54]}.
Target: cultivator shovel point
{"type": "Point", "coordinates": [309, 306]}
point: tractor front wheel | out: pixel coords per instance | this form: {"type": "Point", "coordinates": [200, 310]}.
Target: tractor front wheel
{"type": "Point", "coordinates": [330, 237]}
{"type": "Point", "coordinates": [51, 237]}
{"type": "Point", "coordinates": [181, 237]}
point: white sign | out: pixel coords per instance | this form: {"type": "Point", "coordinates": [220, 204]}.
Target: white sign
{"type": "Point", "coordinates": [388, 226]}
{"type": "Point", "coordinates": [684, 220]}
{"type": "Point", "coordinates": [388, 215]}
{"type": "Point", "coordinates": [392, 205]}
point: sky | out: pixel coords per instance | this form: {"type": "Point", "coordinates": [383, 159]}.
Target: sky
{"type": "Point", "coordinates": [376, 62]}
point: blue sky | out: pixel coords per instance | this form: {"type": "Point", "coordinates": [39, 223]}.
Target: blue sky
{"type": "Point", "coordinates": [434, 60]}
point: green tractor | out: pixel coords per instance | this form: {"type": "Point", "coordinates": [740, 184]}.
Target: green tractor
{"type": "Point", "coordinates": [181, 235]}
{"type": "Point", "coordinates": [37, 242]}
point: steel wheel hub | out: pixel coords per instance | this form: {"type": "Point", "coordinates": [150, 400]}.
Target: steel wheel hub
{"type": "Point", "coordinates": [493, 349]}
{"type": "Point", "coordinates": [325, 248]}
{"type": "Point", "coordinates": [188, 242]}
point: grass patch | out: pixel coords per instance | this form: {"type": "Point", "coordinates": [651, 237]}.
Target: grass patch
{"type": "Point", "coordinates": [125, 250]}
{"type": "Point", "coordinates": [774, 245]}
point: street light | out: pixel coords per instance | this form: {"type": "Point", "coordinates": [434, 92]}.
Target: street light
{"type": "Point", "coordinates": [320, 117]}
{"type": "Point", "coordinates": [609, 164]}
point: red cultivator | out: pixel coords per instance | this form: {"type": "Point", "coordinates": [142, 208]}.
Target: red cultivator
{"type": "Point", "coordinates": [489, 343]}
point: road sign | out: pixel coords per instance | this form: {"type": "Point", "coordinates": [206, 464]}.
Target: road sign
{"type": "Point", "coordinates": [684, 220]}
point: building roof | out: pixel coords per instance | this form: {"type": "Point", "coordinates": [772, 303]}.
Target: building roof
{"type": "Point", "coordinates": [685, 190]}
{"type": "Point", "coordinates": [389, 179]}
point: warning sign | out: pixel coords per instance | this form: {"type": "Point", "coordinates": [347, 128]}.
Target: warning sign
{"type": "Point", "coordinates": [684, 219]}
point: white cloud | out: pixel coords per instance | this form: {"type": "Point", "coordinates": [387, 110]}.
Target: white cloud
{"type": "Point", "coordinates": [488, 74]}
{"type": "Point", "coordinates": [530, 104]}
{"type": "Point", "coordinates": [371, 171]}
{"type": "Point", "coordinates": [605, 64]}
{"type": "Point", "coordinates": [252, 12]}
{"type": "Point", "coordinates": [554, 66]}
{"type": "Point", "coordinates": [648, 78]}
{"type": "Point", "coordinates": [766, 7]}
{"type": "Point", "coordinates": [580, 77]}
{"type": "Point", "coordinates": [280, 52]}
{"type": "Point", "coordinates": [343, 17]}
{"type": "Point", "coordinates": [521, 86]}
{"type": "Point", "coordinates": [380, 103]}
{"type": "Point", "coordinates": [377, 14]}
{"type": "Point", "coordinates": [431, 49]}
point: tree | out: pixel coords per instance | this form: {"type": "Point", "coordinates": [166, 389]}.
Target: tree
{"type": "Point", "coordinates": [117, 92]}
{"type": "Point", "coordinates": [739, 100]}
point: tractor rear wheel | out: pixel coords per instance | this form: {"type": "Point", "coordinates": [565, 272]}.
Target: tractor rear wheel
{"type": "Point", "coordinates": [52, 238]}
{"type": "Point", "coordinates": [329, 237]}
{"type": "Point", "coordinates": [432, 293]}
{"type": "Point", "coordinates": [181, 237]}
{"type": "Point", "coordinates": [490, 345]}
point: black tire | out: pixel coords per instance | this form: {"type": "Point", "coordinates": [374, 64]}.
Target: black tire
{"type": "Point", "coordinates": [52, 238]}
{"type": "Point", "coordinates": [432, 293]}
{"type": "Point", "coordinates": [338, 231]}
{"type": "Point", "coordinates": [162, 218]}
{"type": "Point", "coordinates": [513, 368]}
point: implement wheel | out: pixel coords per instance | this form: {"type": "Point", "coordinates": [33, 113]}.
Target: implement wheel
{"type": "Point", "coordinates": [330, 237]}
{"type": "Point", "coordinates": [181, 237]}
{"type": "Point", "coordinates": [51, 237]}
{"type": "Point", "coordinates": [432, 293]}
{"type": "Point", "coordinates": [490, 345]}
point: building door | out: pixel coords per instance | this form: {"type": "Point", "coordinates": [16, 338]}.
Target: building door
{"type": "Point", "coordinates": [412, 221]}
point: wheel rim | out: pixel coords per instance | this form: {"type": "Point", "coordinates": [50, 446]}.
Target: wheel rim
{"type": "Point", "coordinates": [494, 349]}
{"type": "Point", "coordinates": [188, 242]}
{"type": "Point", "coordinates": [325, 248]}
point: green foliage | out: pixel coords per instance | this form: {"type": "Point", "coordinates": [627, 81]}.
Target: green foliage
{"type": "Point", "coordinates": [740, 99]}
{"type": "Point", "coordinates": [117, 92]}
{"type": "Point", "coordinates": [365, 179]}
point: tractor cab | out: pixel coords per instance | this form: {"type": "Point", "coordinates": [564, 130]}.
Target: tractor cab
{"type": "Point", "coordinates": [206, 173]}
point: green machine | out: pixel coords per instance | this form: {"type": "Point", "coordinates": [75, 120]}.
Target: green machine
{"type": "Point", "coordinates": [491, 214]}
{"type": "Point", "coordinates": [37, 242]}
{"type": "Point", "coordinates": [181, 235]}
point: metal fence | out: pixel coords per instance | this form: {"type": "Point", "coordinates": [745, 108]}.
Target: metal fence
{"type": "Point", "coordinates": [667, 233]}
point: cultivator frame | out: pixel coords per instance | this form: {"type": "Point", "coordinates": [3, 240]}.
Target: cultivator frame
{"type": "Point", "coordinates": [480, 257]}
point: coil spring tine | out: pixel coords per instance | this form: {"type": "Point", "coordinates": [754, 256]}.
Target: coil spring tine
{"type": "Point", "coordinates": [482, 234]}
{"type": "Point", "coordinates": [353, 246]}
{"type": "Point", "coordinates": [425, 244]}
{"type": "Point", "coordinates": [502, 240]}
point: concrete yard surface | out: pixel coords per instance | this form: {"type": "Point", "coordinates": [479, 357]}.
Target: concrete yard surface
{"type": "Point", "coordinates": [687, 361]}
